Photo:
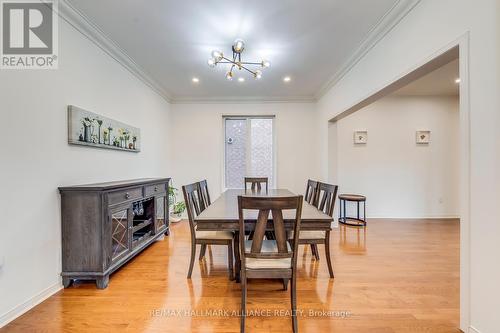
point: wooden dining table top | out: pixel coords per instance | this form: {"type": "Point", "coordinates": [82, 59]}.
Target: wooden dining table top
{"type": "Point", "coordinates": [222, 214]}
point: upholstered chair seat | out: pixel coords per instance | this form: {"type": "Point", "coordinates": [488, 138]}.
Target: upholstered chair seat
{"type": "Point", "coordinates": [310, 234]}
{"type": "Point", "coordinates": [268, 246]}
{"type": "Point", "coordinates": [200, 234]}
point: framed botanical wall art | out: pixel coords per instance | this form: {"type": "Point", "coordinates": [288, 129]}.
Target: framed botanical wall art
{"type": "Point", "coordinates": [423, 137]}
{"type": "Point", "coordinates": [360, 137]}
{"type": "Point", "coordinates": [89, 129]}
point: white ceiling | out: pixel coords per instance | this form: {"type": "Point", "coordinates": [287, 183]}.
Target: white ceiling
{"type": "Point", "coordinates": [171, 41]}
{"type": "Point", "coordinates": [440, 82]}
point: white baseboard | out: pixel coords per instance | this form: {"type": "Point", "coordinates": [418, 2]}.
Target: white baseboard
{"type": "Point", "coordinates": [29, 304]}
{"type": "Point", "coordinates": [335, 223]}
{"type": "Point", "coordinates": [473, 330]}
{"type": "Point", "coordinates": [446, 217]}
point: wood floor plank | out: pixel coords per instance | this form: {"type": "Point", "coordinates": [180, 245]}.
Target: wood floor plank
{"type": "Point", "coordinates": [393, 276]}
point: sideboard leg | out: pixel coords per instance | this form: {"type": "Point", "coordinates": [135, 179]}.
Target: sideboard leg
{"type": "Point", "coordinates": [67, 282]}
{"type": "Point", "coordinates": [102, 283]}
{"type": "Point", "coordinates": [167, 232]}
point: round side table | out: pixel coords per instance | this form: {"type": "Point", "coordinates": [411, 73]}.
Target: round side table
{"type": "Point", "coordinates": [350, 220]}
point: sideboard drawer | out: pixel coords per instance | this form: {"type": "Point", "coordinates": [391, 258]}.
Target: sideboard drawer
{"type": "Point", "coordinates": [154, 189]}
{"type": "Point", "coordinates": [125, 195]}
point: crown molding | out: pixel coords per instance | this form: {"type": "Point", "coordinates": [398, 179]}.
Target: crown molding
{"type": "Point", "coordinates": [242, 100]}
{"type": "Point", "coordinates": [82, 24]}
{"type": "Point", "coordinates": [390, 20]}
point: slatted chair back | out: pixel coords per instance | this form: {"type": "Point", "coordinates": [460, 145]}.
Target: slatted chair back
{"type": "Point", "coordinates": [311, 190]}
{"type": "Point", "coordinates": [205, 195]}
{"type": "Point", "coordinates": [265, 206]}
{"type": "Point", "coordinates": [256, 183]}
{"type": "Point", "coordinates": [326, 197]}
{"type": "Point", "coordinates": [194, 205]}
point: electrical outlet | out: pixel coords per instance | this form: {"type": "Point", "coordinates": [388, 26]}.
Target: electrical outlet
{"type": "Point", "coordinates": [440, 200]}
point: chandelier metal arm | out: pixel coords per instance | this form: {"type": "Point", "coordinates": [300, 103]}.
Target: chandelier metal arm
{"type": "Point", "coordinates": [248, 70]}
{"type": "Point", "coordinates": [242, 63]}
{"type": "Point", "coordinates": [251, 63]}
{"type": "Point", "coordinates": [239, 65]}
{"type": "Point", "coordinates": [228, 61]}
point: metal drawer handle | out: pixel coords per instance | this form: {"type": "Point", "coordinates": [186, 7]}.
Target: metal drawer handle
{"type": "Point", "coordinates": [127, 195]}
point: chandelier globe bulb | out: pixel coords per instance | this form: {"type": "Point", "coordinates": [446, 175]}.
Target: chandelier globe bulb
{"type": "Point", "coordinates": [217, 55]}
{"type": "Point", "coordinates": [238, 45]}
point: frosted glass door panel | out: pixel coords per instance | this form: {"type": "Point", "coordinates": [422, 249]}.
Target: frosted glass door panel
{"type": "Point", "coordinates": [236, 152]}
{"type": "Point", "coordinates": [249, 150]}
{"type": "Point", "coordinates": [261, 148]}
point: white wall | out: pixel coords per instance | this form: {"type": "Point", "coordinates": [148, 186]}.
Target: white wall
{"type": "Point", "coordinates": [400, 178]}
{"type": "Point", "coordinates": [36, 157]}
{"type": "Point", "coordinates": [199, 142]}
{"type": "Point", "coordinates": [431, 26]}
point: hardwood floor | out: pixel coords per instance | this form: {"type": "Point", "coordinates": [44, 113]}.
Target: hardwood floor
{"type": "Point", "coordinates": [394, 276]}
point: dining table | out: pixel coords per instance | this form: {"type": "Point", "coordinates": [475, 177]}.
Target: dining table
{"type": "Point", "coordinates": [222, 215]}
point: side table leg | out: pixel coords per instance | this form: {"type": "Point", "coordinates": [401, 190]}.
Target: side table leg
{"type": "Point", "coordinates": [340, 210]}
{"type": "Point", "coordinates": [345, 214]}
{"type": "Point", "coordinates": [364, 211]}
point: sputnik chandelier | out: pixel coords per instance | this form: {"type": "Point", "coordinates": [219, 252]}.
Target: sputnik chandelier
{"type": "Point", "coordinates": [236, 63]}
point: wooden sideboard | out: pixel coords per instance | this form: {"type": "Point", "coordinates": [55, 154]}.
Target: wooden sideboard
{"type": "Point", "coordinates": [105, 225]}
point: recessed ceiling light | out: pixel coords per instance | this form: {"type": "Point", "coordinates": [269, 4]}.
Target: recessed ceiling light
{"type": "Point", "coordinates": [241, 79]}
{"type": "Point", "coordinates": [457, 80]}
{"type": "Point", "coordinates": [287, 79]}
{"type": "Point", "coordinates": [195, 80]}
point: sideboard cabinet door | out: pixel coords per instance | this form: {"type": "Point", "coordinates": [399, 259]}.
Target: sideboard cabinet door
{"type": "Point", "coordinates": [120, 220]}
{"type": "Point", "coordinates": [161, 214]}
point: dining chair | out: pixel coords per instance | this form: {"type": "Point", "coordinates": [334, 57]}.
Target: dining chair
{"type": "Point", "coordinates": [310, 198]}
{"type": "Point", "coordinates": [204, 193]}
{"type": "Point", "coordinates": [311, 189]}
{"type": "Point", "coordinates": [194, 204]}
{"type": "Point", "coordinates": [204, 203]}
{"type": "Point", "coordinates": [262, 258]}
{"type": "Point", "coordinates": [256, 183]}
{"type": "Point", "coordinates": [256, 186]}
{"type": "Point", "coordinates": [325, 198]}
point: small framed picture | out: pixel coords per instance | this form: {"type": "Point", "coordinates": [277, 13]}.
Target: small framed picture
{"type": "Point", "coordinates": [360, 137]}
{"type": "Point", "coordinates": [423, 137]}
